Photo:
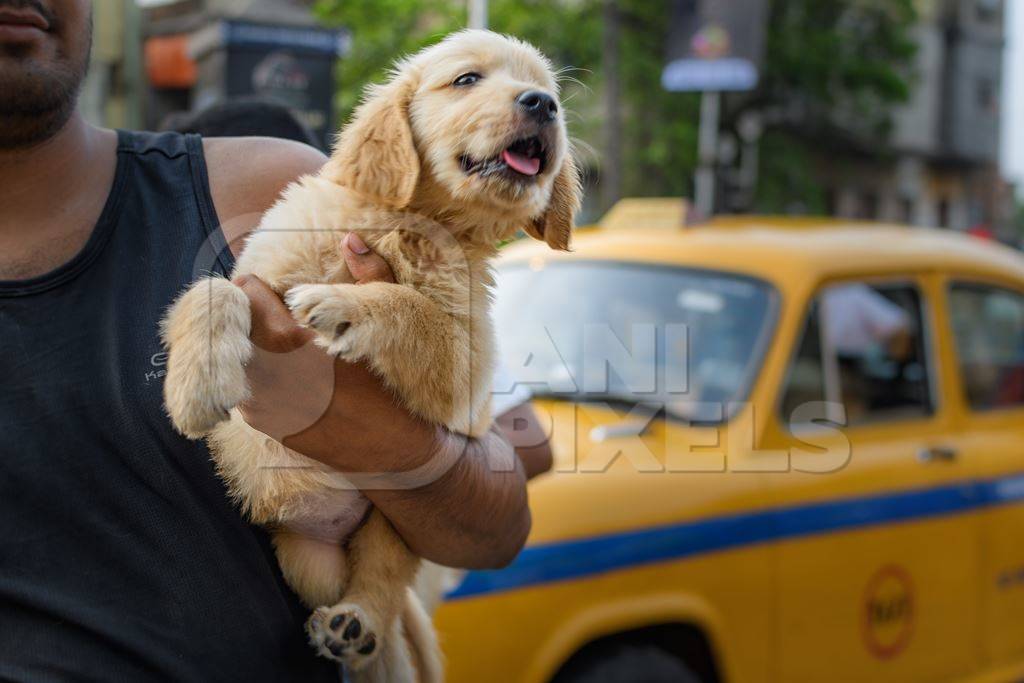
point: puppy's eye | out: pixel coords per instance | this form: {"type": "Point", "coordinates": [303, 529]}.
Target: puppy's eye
{"type": "Point", "coordinates": [466, 79]}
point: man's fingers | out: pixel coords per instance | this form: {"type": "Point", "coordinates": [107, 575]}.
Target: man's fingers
{"type": "Point", "coordinates": [365, 265]}
{"type": "Point", "coordinates": [273, 327]}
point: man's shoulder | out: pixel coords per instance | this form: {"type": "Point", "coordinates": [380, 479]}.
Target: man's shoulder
{"type": "Point", "coordinates": [248, 174]}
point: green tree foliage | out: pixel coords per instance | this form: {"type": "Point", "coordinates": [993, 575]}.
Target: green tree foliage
{"type": "Point", "coordinates": [833, 72]}
{"type": "Point", "coordinates": [660, 128]}
{"type": "Point", "coordinates": [834, 63]}
{"type": "Point", "coordinates": [382, 31]}
{"type": "Point", "coordinates": [847, 57]}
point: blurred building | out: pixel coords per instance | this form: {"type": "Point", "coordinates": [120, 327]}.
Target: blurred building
{"type": "Point", "coordinates": [111, 94]}
{"type": "Point", "coordinates": [943, 163]}
{"type": "Point", "coordinates": [200, 52]}
{"type": "Point", "coordinates": [152, 58]}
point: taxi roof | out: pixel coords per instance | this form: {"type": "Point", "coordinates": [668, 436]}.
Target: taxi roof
{"type": "Point", "coordinates": [778, 249]}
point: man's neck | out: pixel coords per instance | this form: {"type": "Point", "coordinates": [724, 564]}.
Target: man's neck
{"type": "Point", "coordinates": [52, 194]}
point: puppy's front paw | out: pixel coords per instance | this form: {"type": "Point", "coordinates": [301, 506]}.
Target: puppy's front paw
{"type": "Point", "coordinates": [194, 412]}
{"type": "Point", "coordinates": [199, 394]}
{"type": "Point", "coordinates": [332, 312]}
{"type": "Point", "coordinates": [207, 337]}
{"type": "Point", "coordinates": [344, 633]}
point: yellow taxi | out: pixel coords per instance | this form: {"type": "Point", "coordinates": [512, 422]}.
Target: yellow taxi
{"type": "Point", "coordinates": [786, 450]}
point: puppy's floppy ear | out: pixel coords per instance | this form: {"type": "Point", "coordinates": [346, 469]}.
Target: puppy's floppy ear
{"type": "Point", "coordinates": [375, 154]}
{"type": "Point", "coordinates": [555, 225]}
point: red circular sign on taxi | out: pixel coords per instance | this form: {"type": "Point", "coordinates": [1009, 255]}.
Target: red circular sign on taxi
{"type": "Point", "coordinates": [888, 612]}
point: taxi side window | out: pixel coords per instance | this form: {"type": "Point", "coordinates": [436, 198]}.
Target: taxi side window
{"type": "Point", "coordinates": [863, 348]}
{"type": "Point", "coordinates": [988, 326]}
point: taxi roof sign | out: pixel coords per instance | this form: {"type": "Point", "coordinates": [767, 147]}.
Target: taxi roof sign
{"type": "Point", "coordinates": [648, 213]}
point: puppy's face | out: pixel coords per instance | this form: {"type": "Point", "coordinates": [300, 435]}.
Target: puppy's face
{"type": "Point", "coordinates": [487, 121]}
{"type": "Point", "coordinates": [473, 126]}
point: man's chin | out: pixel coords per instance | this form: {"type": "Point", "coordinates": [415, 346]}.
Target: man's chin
{"type": "Point", "coordinates": [25, 132]}
{"type": "Point", "coordinates": [34, 109]}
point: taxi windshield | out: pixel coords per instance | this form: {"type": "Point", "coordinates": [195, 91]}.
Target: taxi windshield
{"type": "Point", "coordinates": [685, 341]}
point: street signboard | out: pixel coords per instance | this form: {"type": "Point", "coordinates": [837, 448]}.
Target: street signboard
{"type": "Point", "coordinates": [715, 45]}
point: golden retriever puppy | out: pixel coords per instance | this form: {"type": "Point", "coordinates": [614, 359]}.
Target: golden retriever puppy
{"type": "Point", "coordinates": [463, 146]}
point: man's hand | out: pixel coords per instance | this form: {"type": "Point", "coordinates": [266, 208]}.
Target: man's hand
{"type": "Point", "coordinates": [296, 386]}
{"type": "Point", "coordinates": [471, 512]}
{"type": "Point", "coordinates": [522, 428]}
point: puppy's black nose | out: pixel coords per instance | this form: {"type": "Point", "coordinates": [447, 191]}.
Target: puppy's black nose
{"type": "Point", "coordinates": [538, 105]}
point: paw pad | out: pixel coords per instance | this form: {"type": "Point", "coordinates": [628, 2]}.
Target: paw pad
{"type": "Point", "coordinates": [342, 633]}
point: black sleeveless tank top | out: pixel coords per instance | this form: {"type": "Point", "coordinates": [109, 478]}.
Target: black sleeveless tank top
{"type": "Point", "coordinates": [121, 559]}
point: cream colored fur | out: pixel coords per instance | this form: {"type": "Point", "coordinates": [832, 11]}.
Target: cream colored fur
{"type": "Point", "coordinates": [398, 179]}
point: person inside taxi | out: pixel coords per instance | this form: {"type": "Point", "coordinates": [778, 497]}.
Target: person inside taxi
{"type": "Point", "coordinates": [869, 335]}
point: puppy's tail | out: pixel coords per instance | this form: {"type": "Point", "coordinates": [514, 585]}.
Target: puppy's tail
{"type": "Point", "coordinates": [422, 639]}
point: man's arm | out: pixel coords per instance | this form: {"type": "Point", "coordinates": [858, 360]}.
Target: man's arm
{"type": "Point", "coordinates": [479, 485]}
{"type": "Point", "coordinates": [468, 510]}
{"type": "Point", "coordinates": [472, 515]}
{"type": "Point", "coordinates": [523, 429]}
{"type": "Point", "coordinates": [247, 175]}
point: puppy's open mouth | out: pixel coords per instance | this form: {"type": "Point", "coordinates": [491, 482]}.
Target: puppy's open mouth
{"type": "Point", "coordinates": [523, 159]}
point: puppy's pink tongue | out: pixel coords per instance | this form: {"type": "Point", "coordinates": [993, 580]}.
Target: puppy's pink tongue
{"type": "Point", "coordinates": [523, 164]}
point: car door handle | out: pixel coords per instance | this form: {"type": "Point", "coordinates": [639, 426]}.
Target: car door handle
{"type": "Point", "coordinates": [620, 430]}
{"type": "Point", "coordinates": [937, 454]}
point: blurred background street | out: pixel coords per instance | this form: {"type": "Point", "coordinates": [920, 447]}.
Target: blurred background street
{"type": "Point", "coordinates": [891, 110]}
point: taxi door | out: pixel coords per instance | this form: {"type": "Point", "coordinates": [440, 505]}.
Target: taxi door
{"type": "Point", "coordinates": [876, 558]}
{"type": "Point", "coordinates": [986, 362]}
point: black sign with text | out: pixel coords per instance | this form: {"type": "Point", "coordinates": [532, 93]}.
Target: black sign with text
{"type": "Point", "coordinates": [292, 65]}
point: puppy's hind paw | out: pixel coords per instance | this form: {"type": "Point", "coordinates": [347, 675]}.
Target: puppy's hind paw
{"type": "Point", "coordinates": [329, 310]}
{"type": "Point", "coordinates": [345, 634]}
